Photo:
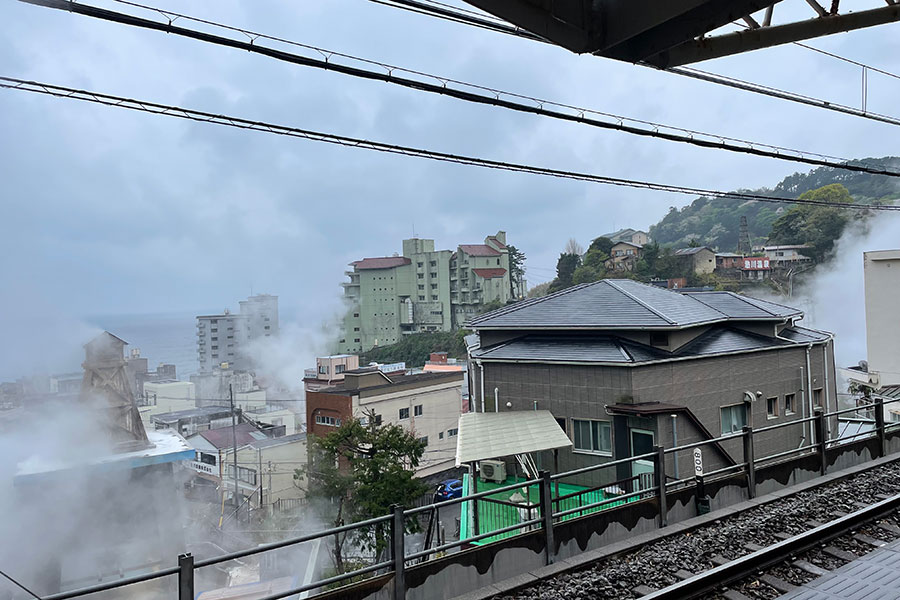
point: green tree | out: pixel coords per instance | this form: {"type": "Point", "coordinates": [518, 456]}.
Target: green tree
{"type": "Point", "coordinates": [363, 470]}
{"type": "Point", "coordinates": [516, 270]}
{"type": "Point", "coordinates": [814, 225]}
{"type": "Point", "coordinates": [565, 269]}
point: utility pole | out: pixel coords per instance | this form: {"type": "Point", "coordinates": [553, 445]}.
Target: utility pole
{"type": "Point", "coordinates": [234, 449]}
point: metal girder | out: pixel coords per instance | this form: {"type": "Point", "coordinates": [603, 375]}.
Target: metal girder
{"type": "Point", "coordinates": [626, 29]}
{"type": "Point", "coordinates": [668, 33]}
{"type": "Point", "coordinates": [765, 37]}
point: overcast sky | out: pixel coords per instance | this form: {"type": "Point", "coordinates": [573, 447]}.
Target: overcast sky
{"type": "Point", "coordinates": [111, 211]}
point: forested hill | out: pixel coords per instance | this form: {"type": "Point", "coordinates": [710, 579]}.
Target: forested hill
{"type": "Point", "coordinates": [716, 222]}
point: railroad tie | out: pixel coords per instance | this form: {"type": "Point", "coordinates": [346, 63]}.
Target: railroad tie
{"type": "Point", "coordinates": [890, 528]}
{"type": "Point", "coordinates": [643, 590]}
{"type": "Point", "coordinates": [753, 547]}
{"type": "Point", "coordinates": [719, 560]}
{"type": "Point", "coordinates": [865, 539]}
{"type": "Point", "coordinates": [839, 554]}
{"type": "Point", "coordinates": [779, 584]}
{"type": "Point", "coordinates": [809, 568]}
{"type": "Point", "coordinates": [734, 595]}
{"type": "Point", "coordinates": [683, 574]}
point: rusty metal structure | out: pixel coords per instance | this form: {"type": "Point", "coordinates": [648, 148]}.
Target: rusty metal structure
{"type": "Point", "coordinates": [669, 33]}
{"type": "Point", "coordinates": [107, 389]}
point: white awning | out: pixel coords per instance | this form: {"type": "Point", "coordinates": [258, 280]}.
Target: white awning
{"type": "Point", "coordinates": [494, 435]}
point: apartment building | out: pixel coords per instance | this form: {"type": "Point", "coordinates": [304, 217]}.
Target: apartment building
{"type": "Point", "coordinates": [427, 404]}
{"type": "Point", "coordinates": [422, 290]}
{"type": "Point", "coordinates": [624, 366]}
{"type": "Point", "coordinates": [226, 337]}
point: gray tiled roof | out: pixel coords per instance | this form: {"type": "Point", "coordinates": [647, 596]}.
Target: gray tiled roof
{"type": "Point", "coordinates": [611, 349]}
{"type": "Point", "coordinates": [627, 304]}
{"type": "Point", "coordinates": [720, 340]}
{"type": "Point", "coordinates": [690, 251]}
{"type": "Point", "coordinates": [605, 349]}
{"type": "Point", "coordinates": [803, 335]}
{"type": "Point", "coordinates": [736, 306]}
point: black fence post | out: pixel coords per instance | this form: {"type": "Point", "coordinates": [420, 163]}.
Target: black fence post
{"type": "Point", "coordinates": [821, 439]}
{"type": "Point", "coordinates": [879, 425]}
{"type": "Point", "coordinates": [750, 459]}
{"type": "Point", "coordinates": [546, 500]}
{"type": "Point", "coordinates": [186, 576]}
{"type": "Point", "coordinates": [659, 472]}
{"type": "Point", "coordinates": [398, 553]}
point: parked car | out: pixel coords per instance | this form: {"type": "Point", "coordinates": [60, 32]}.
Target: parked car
{"type": "Point", "coordinates": [450, 488]}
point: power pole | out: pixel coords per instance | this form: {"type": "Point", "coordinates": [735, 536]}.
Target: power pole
{"type": "Point", "coordinates": [234, 449]}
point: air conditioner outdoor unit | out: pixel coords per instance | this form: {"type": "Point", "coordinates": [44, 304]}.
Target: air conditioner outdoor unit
{"type": "Point", "coordinates": [493, 470]}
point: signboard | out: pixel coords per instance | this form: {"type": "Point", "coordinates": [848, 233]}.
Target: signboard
{"type": "Point", "coordinates": [698, 462]}
{"type": "Point", "coordinates": [756, 263]}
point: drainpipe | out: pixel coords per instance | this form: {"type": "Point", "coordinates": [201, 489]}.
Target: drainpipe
{"type": "Point", "coordinates": [481, 367]}
{"type": "Point", "coordinates": [809, 396]}
{"type": "Point", "coordinates": [496, 400]}
{"type": "Point", "coordinates": [675, 441]}
{"type": "Point", "coordinates": [827, 387]}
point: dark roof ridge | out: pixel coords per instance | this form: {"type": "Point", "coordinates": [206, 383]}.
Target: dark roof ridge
{"type": "Point", "coordinates": [530, 302]}
{"type": "Point", "coordinates": [613, 283]}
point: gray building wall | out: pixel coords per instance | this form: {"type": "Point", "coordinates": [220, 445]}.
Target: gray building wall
{"type": "Point", "coordinates": [703, 385]}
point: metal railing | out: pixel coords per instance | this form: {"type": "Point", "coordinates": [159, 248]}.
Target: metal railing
{"type": "Point", "coordinates": [549, 510]}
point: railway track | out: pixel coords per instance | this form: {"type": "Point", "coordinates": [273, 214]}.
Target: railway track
{"type": "Point", "coordinates": [760, 553]}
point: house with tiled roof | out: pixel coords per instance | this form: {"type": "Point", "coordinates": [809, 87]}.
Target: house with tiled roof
{"type": "Point", "coordinates": [423, 290]}
{"type": "Point", "coordinates": [624, 366]}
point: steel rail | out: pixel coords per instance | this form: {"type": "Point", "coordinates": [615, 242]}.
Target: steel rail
{"type": "Point", "coordinates": [738, 569]}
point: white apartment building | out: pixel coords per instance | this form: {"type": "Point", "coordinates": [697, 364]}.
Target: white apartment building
{"type": "Point", "coordinates": [225, 338]}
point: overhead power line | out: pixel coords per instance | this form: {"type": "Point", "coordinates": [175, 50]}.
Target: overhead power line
{"type": "Point", "coordinates": [423, 7]}
{"type": "Point", "coordinates": [342, 140]}
{"type": "Point", "coordinates": [470, 92]}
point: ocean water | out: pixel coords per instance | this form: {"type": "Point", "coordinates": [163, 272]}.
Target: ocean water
{"type": "Point", "coordinates": [161, 338]}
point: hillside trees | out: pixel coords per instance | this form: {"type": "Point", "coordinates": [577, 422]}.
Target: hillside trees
{"type": "Point", "coordinates": [817, 226]}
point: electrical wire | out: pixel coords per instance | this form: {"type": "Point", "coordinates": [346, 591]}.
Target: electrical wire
{"type": "Point", "coordinates": [353, 142]}
{"type": "Point", "coordinates": [471, 93]}
{"type": "Point", "coordinates": [19, 585]}
{"type": "Point", "coordinates": [502, 27]}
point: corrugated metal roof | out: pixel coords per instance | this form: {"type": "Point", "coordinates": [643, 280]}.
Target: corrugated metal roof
{"type": "Point", "coordinates": [690, 251]}
{"type": "Point", "coordinates": [222, 437]}
{"type": "Point", "coordinates": [889, 391]}
{"type": "Point", "coordinates": [489, 435]}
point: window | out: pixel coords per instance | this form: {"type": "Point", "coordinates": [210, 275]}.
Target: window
{"type": "Point", "coordinates": [817, 397]}
{"type": "Point", "coordinates": [498, 261]}
{"type": "Point", "coordinates": [378, 419]}
{"type": "Point", "coordinates": [432, 274]}
{"type": "Point", "coordinates": [434, 286]}
{"type": "Point", "coordinates": [404, 413]}
{"type": "Point", "coordinates": [421, 286]}
{"type": "Point", "coordinates": [733, 418]}
{"type": "Point", "coordinates": [895, 417]}
{"type": "Point", "coordinates": [207, 459]}
{"type": "Point", "coordinates": [355, 315]}
{"type": "Point", "coordinates": [433, 263]}
{"type": "Point", "coordinates": [267, 327]}
{"type": "Point", "coordinates": [244, 474]}
{"type": "Point", "coordinates": [772, 407]}
{"type": "Point", "coordinates": [421, 298]}
{"type": "Point", "coordinates": [421, 275]}
{"type": "Point", "coordinates": [659, 339]}
{"type": "Point", "coordinates": [452, 432]}
{"type": "Point", "coordinates": [329, 421]}
{"type": "Point", "coordinates": [356, 340]}
{"type": "Point", "coordinates": [592, 436]}
{"type": "Point", "coordinates": [789, 404]}
{"type": "Point", "coordinates": [424, 440]}
{"type": "Point", "coordinates": [433, 297]}
{"type": "Point", "coordinates": [417, 410]}
{"type": "Point", "coordinates": [215, 347]}
{"type": "Point", "coordinates": [356, 329]}
{"type": "Point", "coordinates": [419, 264]}
{"type": "Point", "coordinates": [441, 435]}
{"type": "Point", "coordinates": [339, 369]}
{"type": "Point", "coordinates": [323, 369]}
